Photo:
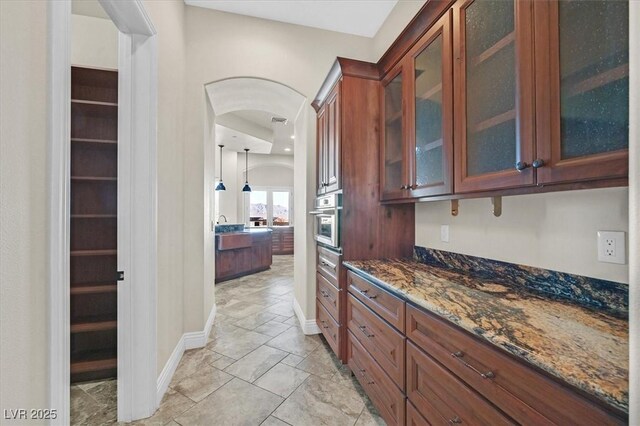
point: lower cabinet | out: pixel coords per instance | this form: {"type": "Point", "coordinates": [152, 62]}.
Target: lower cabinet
{"type": "Point", "coordinates": [386, 396]}
{"type": "Point", "coordinates": [251, 257]}
{"type": "Point", "coordinates": [330, 299]}
{"type": "Point", "coordinates": [427, 371]}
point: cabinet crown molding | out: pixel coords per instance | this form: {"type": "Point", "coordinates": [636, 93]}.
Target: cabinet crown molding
{"type": "Point", "coordinates": [344, 67]}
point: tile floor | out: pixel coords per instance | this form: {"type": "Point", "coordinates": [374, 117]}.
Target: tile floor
{"type": "Point", "coordinates": [258, 368]}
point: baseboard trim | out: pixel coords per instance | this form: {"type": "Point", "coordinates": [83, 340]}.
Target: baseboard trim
{"type": "Point", "coordinates": [191, 340]}
{"type": "Point", "coordinates": [308, 326]}
{"type": "Point", "coordinates": [169, 369]}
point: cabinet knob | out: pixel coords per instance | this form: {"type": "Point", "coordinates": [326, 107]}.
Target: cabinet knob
{"type": "Point", "coordinates": [537, 163]}
{"type": "Point", "coordinates": [404, 187]}
{"type": "Point", "coordinates": [521, 165]}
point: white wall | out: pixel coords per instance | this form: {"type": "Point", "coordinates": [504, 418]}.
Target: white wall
{"type": "Point", "coordinates": [554, 231]}
{"type": "Point", "coordinates": [94, 42]}
{"type": "Point", "coordinates": [264, 171]}
{"type": "Point", "coordinates": [222, 45]}
{"type": "Point", "coordinates": [398, 19]}
{"type": "Point", "coordinates": [168, 19]}
{"type": "Point", "coordinates": [23, 205]}
{"type": "Point", "coordinates": [230, 198]}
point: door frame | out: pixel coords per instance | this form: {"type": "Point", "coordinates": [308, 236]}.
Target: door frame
{"type": "Point", "coordinates": [137, 207]}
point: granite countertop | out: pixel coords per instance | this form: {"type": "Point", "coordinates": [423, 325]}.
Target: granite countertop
{"type": "Point", "coordinates": [584, 347]}
{"type": "Point", "coordinates": [246, 231]}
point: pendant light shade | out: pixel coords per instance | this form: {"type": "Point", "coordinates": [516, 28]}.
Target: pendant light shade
{"type": "Point", "coordinates": [246, 187]}
{"type": "Point", "coordinates": [220, 186]}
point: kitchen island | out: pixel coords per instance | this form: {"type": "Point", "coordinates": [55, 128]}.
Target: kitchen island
{"type": "Point", "coordinates": [242, 252]}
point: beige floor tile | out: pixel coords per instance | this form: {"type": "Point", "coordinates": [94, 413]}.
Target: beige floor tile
{"type": "Point", "coordinates": [272, 328]}
{"type": "Point", "coordinates": [238, 344]}
{"type": "Point", "coordinates": [173, 404]}
{"type": "Point", "coordinates": [83, 406]}
{"type": "Point", "coordinates": [193, 361]}
{"type": "Point", "coordinates": [255, 320]}
{"type": "Point", "coordinates": [255, 364]}
{"type": "Point", "coordinates": [273, 421]}
{"type": "Point", "coordinates": [282, 380]}
{"type": "Point", "coordinates": [236, 403]}
{"type": "Point", "coordinates": [292, 360]}
{"type": "Point", "coordinates": [319, 401]}
{"type": "Point", "coordinates": [282, 308]}
{"type": "Point", "coordinates": [280, 318]}
{"type": "Point", "coordinates": [223, 362]}
{"type": "Point", "coordinates": [295, 342]}
{"type": "Point", "coordinates": [241, 309]}
{"type": "Point", "coordinates": [201, 384]}
{"type": "Point", "coordinates": [370, 416]}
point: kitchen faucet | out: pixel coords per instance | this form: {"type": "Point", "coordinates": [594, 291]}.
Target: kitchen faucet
{"type": "Point", "coordinates": [225, 218]}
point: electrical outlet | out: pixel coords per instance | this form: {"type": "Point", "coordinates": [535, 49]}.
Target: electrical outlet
{"type": "Point", "coordinates": [611, 247]}
{"type": "Point", "coordinates": [444, 233]}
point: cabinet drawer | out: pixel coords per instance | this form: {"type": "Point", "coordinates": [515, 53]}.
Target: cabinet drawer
{"type": "Point", "coordinates": [438, 394]}
{"type": "Point", "coordinates": [383, 303]}
{"type": "Point", "coordinates": [328, 295]}
{"type": "Point", "coordinates": [382, 342]}
{"type": "Point", "coordinates": [386, 397]}
{"type": "Point", "coordinates": [414, 418]}
{"type": "Point", "coordinates": [329, 265]}
{"type": "Point", "coordinates": [523, 393]}
{"type": "Point", "coordinates": [329, 327]}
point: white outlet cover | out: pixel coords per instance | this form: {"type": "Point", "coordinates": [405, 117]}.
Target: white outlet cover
{"type": "Point", "coordinates": [444, 233]}
{"type": "Point", "coordinates": [612, 247]}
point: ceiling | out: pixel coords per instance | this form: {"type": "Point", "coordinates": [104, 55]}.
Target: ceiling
{"type": "Point", "coordinates": [88, 8]}
{"type": "Point", "coordinates": [357, 17]}
{"type": "Point", "coordinates": [254, 130]}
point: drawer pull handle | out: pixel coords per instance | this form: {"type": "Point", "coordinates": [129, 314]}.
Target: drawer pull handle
{"type": "Point", "coordinates": [326, 263]}
{"type": "Point", "coordinates": [487, 375]}
{"type": "Point", "coordinates": [371, 383]}
{"type": "Point", "coordinates": [373, 297]}
{"type": "Point", "coordinates": [365, 291]}
{"type": "Point", "coordinates": [324, 293]}
{"type": "Point", "coordinates": [364, 328]}
{"type": "Point", "coordinates": [455, 420]}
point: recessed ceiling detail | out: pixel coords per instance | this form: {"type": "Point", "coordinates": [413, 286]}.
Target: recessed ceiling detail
{"type": "Point", "coordinates": [357, 17]}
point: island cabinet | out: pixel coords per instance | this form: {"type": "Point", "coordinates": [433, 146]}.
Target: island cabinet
{"type": "Point", "coordinates": [539, 103]}
{"type": "Point", "coordinates": [242, 253]}
{"type": "Point", "coordinates": [419, 368]}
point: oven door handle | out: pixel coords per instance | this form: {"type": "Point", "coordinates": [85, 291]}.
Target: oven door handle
{"type": "Point", "coordinates": [322, 212]}
{"type": "Point", "coordinates": [316, 212]}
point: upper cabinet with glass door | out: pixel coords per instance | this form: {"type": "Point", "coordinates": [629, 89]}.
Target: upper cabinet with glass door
{"type": "Point", "coordinates": [417, 146]}
{"type": "Point", "coordinates": [582, 66]}
{"type": "Point", "coordinates": [494, 104]}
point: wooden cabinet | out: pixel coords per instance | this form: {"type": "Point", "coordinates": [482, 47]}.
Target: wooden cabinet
{"type": "Point", "coordinates": [451, 376]}
{"type": "Point", "coordinates": [93, 224]}
{"type": "Point", "coordinates": [494, 105]}
{"type": "Point", "coordinates": [328, 153]}
{"type": "Point", "coordinates": [417, 153]}
{"type": "Point", "coordinates": [540, 104]}
{"type": "Point", "coordinates": [330, 299]}
{"type": "Point", "coordinates": [282, 238]}
{"type": "Point", "coordinates": [582, 90]}
{"type": "Point", "coordinates": [243, 254]}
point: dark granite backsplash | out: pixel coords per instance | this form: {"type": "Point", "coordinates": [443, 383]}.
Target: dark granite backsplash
{"type": "Point", "coordinates": [601, 295]}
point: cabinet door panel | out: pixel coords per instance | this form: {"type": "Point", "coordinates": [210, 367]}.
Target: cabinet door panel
{"type": "Point", "coordinates": [321, 151]}
{"type": "Point", "coordinates": [332, 160]}
{"type": "Point", "coordinates": [493, 45]}
{"type": "Point", "coordinates": [431, 115]}
{"type": "Point", "coordinates": [583, 118]}
{"type": "Point", "coordinates": [394, 179]}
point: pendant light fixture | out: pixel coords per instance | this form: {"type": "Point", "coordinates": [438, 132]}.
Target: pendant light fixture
{"type": "Point", "coordinates": [246, 187]}
{"type": "Point", "coordinates": [220, 186]}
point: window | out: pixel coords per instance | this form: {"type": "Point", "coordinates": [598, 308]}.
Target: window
{"type": "Point", "coordinates": [269, 207]}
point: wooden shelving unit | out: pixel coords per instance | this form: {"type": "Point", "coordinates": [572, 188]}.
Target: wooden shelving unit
{"type": "Point", "coordinates": [495, 48]}
{"type": "Point", "coordinates": [94, 130]}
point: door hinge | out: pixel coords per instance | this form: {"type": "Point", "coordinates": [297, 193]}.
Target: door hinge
{"type": "Point", "coordinates": [120, 276]}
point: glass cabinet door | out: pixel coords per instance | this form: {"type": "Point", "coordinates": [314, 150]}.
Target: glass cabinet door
{"type": "Point", "coordinates": [588, 54]}
{"type": "Point", "coordinates": [431, 151]}
{"type": "Point", "coordinates": [495, 77]}
{"type": "Point", "coordinates": [394, 177]}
